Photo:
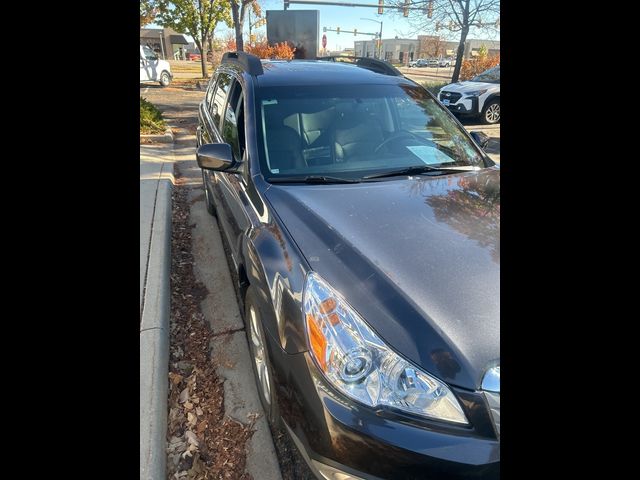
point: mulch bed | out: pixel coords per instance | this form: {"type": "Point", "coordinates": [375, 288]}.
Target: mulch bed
{"type": "Point", "coordinates": [202, 443]}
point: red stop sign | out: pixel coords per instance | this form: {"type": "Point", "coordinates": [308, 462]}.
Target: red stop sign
{"type": "Point", "coordinates": [324, 41]}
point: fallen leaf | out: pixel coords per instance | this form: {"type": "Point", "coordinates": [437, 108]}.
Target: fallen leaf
{"type": "Point", "coordinates": [175, 378]}
{"type": "Point", "coordinates": [191, 437]}
{"type": "Point", "coordinates": [184, 395]}
{"type": "Point", "coordinates": [191, 418]}
{"type": "Point", "coordinates": [202, 426]}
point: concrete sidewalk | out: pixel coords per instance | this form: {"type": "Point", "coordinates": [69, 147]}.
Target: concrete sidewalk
{"type": "Point", "coordinates": [156, 185]}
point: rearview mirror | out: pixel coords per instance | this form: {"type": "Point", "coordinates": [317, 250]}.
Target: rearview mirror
{"type": "Point", "coordinates": [480, 138]}
{"type": "Point", "coordinates": [215, 156]}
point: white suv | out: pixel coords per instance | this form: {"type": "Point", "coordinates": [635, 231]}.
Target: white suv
{"type": "Point", "coordinates": [152, 69]}
{"type": "Point", "coordinates": [479, 96]}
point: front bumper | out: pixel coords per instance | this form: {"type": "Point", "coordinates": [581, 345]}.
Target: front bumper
{"type": "Point", "coordinates": [465, 106]}
{"type": "Point", "coordinates": [339, 437]}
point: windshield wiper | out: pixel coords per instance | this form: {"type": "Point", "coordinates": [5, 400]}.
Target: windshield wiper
{"type": "Point", "coordinates": [318, 179]}
{"type": "Point", "coordinates": [416, 169]}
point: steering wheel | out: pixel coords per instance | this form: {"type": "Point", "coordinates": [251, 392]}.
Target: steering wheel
{"type": "Point", "coordinates": [402, 134]}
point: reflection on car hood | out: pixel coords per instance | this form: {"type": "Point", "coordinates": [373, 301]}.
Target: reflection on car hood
{"type": "Point", "coordinates": [417, 257]}
{"type": "Point", "coordinates": [468, 86]}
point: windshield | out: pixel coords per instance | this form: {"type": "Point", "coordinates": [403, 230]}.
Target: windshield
{"type": "Point", "coordinates": [354, 131]}
{"type": "Point", "coordinates": [148, 53]}
{"type": "Point", "coordinates": [489, 76]}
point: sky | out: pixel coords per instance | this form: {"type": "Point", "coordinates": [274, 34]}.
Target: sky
{"type": "Point", "coordinates": [349, 18]}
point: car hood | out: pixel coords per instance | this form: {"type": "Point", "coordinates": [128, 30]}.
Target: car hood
{"type": "Point", "coordinates": [467, 86]}
{"type": "Point", "coordinates": [417, 257]}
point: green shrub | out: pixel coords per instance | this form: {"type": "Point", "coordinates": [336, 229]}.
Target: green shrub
{"type": "Point", "coordinates": [151, 120]}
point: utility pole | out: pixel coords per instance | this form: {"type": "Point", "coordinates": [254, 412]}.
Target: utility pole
{"type": "Point", "coordinates": [379, 46]}
{"type": "Point", "coordinates": [164, 57]}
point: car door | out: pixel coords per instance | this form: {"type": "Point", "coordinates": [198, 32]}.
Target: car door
{"type": "Point", "coordinates": [209, 132]}
{"type": "Point", "coordinates": [232, 186]}
{"type": "Point", "coordinates": [212, 114]}
{"type": "Point", "coordinates": [150, 64]}
{"type": "Point", "coordinates": [144, 76]}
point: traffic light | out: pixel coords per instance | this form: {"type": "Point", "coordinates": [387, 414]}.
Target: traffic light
{"type": "Point", "coordinates": [430, 9]}
{"type": "Point", "coordinates": [405, 10]}
{"type": "Point", "coordinates": [338, 30]}
{"type": "Point", "coordinates": [324, 29]}
{"type": "Point", "coordinates": [437, 26]}
{"type": "Point", "coordinates": [355, 32]}
{"type": "Point", "coordinates": [286, 4]}
{"type": "Point", "coordinates": [380, 5]}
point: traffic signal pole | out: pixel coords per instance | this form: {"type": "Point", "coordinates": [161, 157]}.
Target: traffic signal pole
{"type": "Point", "coordinates": [355, 32]}
{"type": "Point", "coordinates": [348, 4]}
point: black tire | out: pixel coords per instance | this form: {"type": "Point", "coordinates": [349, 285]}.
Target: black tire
{"type": "Point", "coordinates": [165, 79]}
{"type": "Point", "coordinates": [491, 112]}
{"type": "Point", "coordinates": [268, 400]}
{"type": "Point", "coordinates": [211, 209]}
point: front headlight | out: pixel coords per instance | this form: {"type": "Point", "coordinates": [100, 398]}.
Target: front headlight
{"type": "Point", "coordinates": [358, 363]}
{"type": "Point", "coordinates": [475, 93]}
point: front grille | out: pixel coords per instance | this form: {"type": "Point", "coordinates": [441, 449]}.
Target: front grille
{"type": "Point", "coordinates": [493, 400]}
{"type": "Point", "coordinates": [453, 97]}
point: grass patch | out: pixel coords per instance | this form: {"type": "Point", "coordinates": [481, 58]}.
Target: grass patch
{"type": "Point", "coordinates": [434, 87]}
{"type": "Point", "coordinates": [190, 82]}
{"type": "Point", "coordinates": [151, 120]}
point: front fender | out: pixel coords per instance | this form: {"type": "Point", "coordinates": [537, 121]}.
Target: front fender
{"type": "Point", "coordinates": [277, 270]}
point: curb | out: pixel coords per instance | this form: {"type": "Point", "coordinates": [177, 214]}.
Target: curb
{"type": "Point", "coordinates": [154, 338]}
{"type": "Point", "coordinates": [166, 137]}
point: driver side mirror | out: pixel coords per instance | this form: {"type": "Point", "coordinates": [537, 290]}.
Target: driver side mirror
{"type": "Point", "coordinates": [480, 138]}
{"type": "Point", "coordinates": [215, 156]}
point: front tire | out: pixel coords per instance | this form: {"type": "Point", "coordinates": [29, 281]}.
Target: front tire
{"type": "Point", "coordinates": [260, 361]}
{"type": "Point", "coordinates": [165, 79]}
{"type": "Point", "coordinates": [491, 112]}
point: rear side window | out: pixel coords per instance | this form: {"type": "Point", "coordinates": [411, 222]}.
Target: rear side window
{"type": "Point", "coordinates": [210, 90]}
{"type": "Point", "coordinates": [220, 96]}
{"type": "Point", "coordinates": [233, 122]}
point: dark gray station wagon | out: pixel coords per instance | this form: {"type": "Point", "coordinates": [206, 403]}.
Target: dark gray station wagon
{"type": "Point", "coordinates": [363, 225]}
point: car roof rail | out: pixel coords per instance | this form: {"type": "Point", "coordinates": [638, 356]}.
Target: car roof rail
{"type": "Point", "coordinates": [373, 64]}
{"type": "Point", "coordinates": [248, 62]}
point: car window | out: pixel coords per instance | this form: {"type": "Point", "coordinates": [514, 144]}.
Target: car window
{"type": "Point", "coordinates": [233, 122]}
{"type": "Point", "coordinates": [352, 131]}
{"type": "Point", "coordinates": [489, 76]}
{"type": "Point", "coordinates": [217, 106]}
{"type": "Point", "coordinates": [209, 96]}
{"type": "Point", "coordinates": [148, 53]}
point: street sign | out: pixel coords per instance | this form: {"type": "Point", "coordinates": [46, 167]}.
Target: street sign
{"type": "Point", "coordinates": [324, 41]}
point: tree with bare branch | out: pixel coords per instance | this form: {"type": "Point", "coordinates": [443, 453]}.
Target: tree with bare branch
{"type": "Point", "coordinates": [452, 17]}
{"type": "Point", "coordinates": [431, 47]}
{"type": "Point", "coordinates": [198, 18]}
{"type": "Point", "coordinates": [238, 12]}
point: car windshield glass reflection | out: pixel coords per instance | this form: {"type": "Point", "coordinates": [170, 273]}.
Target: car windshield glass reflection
{"type": "Point", "coordinates": [352, 132]}
{"type": "Point", "coordinates": [490, 76]}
